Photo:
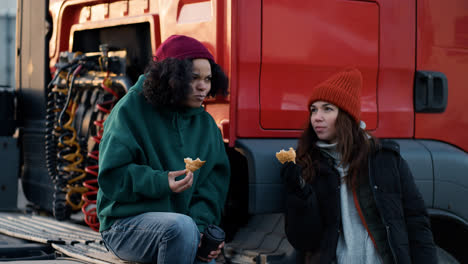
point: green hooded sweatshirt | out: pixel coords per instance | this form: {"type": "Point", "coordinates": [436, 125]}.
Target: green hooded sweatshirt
{"type": "Point", "coordinates": [141, 144]}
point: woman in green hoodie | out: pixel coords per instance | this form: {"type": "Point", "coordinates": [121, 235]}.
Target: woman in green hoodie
{"type": "Point", "coordinates": [150, 208]}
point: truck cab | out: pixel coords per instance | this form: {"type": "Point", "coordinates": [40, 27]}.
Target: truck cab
{"type": "Point", "coordinates": [412, 54]}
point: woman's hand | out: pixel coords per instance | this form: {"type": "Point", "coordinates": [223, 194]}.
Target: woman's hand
{"type": "Point", "coordinates": [213, 254]}
{"type": "Point", "coordinates": [292, 176]}
{"type": "Point", "coordinates": [181, 185]}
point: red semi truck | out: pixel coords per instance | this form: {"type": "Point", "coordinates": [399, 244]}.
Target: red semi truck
{"type": "Point", "coordinates": [413, 55]}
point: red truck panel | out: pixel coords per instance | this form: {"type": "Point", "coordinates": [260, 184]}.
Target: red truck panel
{"type": "Point", "coordinates": [208, 21]}
{"type": "Point", "coordinates": [259, 46]}
{"type": "Point", "coordinates": [203, 19]}
{"type": "Point", "coordinates": [396, 69]}
{"type": "Point", "coordinates": [443, 47]}
{"type": "Point", "coordinates": [271, 62]}
{"type": "Point", "coordinates": [303, 43]}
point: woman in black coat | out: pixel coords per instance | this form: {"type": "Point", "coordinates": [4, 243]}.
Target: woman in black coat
{"type": "Point", "coordinates": [352, 199]}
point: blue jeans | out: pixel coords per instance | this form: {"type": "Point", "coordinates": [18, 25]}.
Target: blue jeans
{"type": "Point", "coordinates": [155, 237]}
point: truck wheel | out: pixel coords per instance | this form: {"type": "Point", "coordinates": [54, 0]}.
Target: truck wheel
{"type": "Point", "coordinates": [445, 258]}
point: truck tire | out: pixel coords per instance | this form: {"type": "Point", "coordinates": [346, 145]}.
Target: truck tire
{"type": "Point", "coordinates": [445, 258]}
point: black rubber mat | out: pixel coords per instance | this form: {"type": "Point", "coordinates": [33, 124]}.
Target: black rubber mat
{"type": "Point", "coordinates": [70, 239]}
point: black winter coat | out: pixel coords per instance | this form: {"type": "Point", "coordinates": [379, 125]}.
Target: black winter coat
{"type": "Point", "coordinates": [313, 216]}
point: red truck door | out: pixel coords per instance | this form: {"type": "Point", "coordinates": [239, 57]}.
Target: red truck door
{"type": "Point", "coordinates": [303, 43]}
{"type": "Point", "coordinates": [442, 46]}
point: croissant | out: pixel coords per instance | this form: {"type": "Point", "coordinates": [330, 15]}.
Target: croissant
{"type": "Point", "coordinates": [285, 156]}
{"type": "Point", "coordinates": [193, 165]}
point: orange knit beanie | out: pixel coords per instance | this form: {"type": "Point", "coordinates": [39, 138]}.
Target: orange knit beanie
{"type": "Point", "coordinates": [343, 90]}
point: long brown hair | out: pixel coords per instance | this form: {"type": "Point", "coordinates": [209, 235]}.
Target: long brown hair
{"type": "Point", "coordinates": [354, 145]}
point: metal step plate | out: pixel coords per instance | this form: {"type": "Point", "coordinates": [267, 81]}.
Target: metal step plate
{"type": "Point", "coordinates": [70, 239]}
{"type": "Point", "coordinates": [262, 241]}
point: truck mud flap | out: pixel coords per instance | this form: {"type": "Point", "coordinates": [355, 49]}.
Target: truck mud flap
{"type": "Point", "coordinates": [7, 112]}
{"type": "Point", "coordinates": [71, 239]}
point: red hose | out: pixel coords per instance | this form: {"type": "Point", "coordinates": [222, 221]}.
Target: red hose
{"type": "Point", "coordinates": [89, 207]}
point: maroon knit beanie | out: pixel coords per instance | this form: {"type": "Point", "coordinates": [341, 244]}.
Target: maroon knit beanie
{"type": "Point", "coordinates": [182, 47]}
{"type": "Point", "coordinates": [343, 90]}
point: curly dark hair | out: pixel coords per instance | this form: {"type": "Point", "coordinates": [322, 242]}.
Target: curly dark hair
{"type": "Point", "coordinates": [167, 82]}
{"type": "Point", "coordinates": [354, 145]}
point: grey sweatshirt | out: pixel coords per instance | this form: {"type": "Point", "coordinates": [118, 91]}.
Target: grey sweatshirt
{"type": "Point", "coordinates": [354, 244]}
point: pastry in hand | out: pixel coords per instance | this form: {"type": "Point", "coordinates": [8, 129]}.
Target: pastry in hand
{"type": "Point", "coordinates": [285, 156]}
{"type": "Point", "coordinates": [193, 165]}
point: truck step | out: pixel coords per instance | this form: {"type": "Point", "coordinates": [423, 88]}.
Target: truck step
{"type": "Point", "coordinates": [70, 239]}
{"type": "Point", "coordinates": [262, 241]}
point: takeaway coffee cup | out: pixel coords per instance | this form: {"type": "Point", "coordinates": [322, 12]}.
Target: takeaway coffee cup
{"type": "Point", "coordinates": [212, 237]}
